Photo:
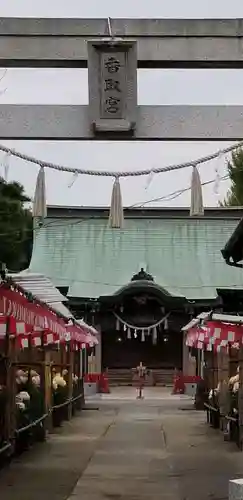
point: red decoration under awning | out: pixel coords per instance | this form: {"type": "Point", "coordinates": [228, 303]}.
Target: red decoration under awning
{"type": "Point", "coordinates": [76, 334]}
{"type": "Point", "coordinates": [29, 315]}
{"type": "Point", "coordinates": [215, 335]}
{"type": "Point", "coordinates": [29, 318]}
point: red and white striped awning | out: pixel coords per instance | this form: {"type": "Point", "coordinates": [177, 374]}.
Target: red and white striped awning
{"type": "Point", "coordinates": [74, 334]}
{"type": "Point", "coordinates": [214, 335]}
{"type": "Point", "coordinates": [31, 321]}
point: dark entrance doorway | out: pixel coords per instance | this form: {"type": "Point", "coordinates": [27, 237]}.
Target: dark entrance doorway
{"type": "Point", "coordinates": [120, 352]}
{"type": "Point", "coordinates": [139, 326]}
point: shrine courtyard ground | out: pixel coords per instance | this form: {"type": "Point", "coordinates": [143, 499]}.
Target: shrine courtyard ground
{"type": "Point", "coordinates": [120, 448]}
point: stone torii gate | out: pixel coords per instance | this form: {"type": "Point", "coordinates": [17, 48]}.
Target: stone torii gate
{"type": "Point", "coordinates": [112, 51]}
{"type": "Point", "coordinates": [145, 43]}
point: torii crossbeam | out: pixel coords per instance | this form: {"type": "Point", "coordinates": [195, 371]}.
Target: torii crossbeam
{"type": "Point", "coordinates": [162, 43]}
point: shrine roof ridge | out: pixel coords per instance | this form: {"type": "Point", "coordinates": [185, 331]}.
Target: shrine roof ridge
{"type": "Point", "coordinates": [141, 212]}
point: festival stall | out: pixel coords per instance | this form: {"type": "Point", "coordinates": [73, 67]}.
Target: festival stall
{"type": "Point", "coordinates": [40, 374]}
{"type": "Point", "coordinates": [218, 340]}
{"type": "Point", "coordinates": [66, 371]}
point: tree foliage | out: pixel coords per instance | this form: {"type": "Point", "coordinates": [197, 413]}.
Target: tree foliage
{"type": "Point", "coordinates": [234, 196]}
{"type": "Point", "coordinates": [15, 226]}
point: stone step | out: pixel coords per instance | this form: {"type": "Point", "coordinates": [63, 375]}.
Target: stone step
{"type": "Point", "coordinates": [160, 377]}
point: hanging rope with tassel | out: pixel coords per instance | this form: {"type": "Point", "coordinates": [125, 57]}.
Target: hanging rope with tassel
{"type": "Point", "coordinates": [122, 173]}
{"type": "Point", "coordinates": [116, 218]}
{"type": "Point", "coordinates": [119, 320]}
{"type": "Point", "coordinates": [39, 203]}
{"type": "Point", "coordinates": [197, 208]}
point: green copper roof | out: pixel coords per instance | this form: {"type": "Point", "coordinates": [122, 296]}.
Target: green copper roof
{"type": "Point", "coordinates": [182, 254]}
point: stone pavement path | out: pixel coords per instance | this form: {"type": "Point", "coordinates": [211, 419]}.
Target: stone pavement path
{"type": "Point", "coordinates": [51, 470]}
{"type": "Point", "coordinates": [154, 449]}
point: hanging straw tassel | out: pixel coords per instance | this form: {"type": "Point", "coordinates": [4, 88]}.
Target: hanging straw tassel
{"type": "Point", "coordinates": [143, 336]}
{"type": "Point", "coordinates": [154, 337]}
{"type": "Point", "coordinates": [5, 164]}
{"type": "Point", "coordinates": [196, 194]}
{"type": "Point", "coordinates": [116, 219]}
{"type": "Point", "coordinates": [129, 333]}
{"type": "Point", "coordinates": [39, 203]}
{"type": "Point", "coordinates": [117, 325]}
{"type": "Point", "coordinates": [166, 324]}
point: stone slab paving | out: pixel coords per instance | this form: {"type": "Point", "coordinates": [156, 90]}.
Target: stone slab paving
{"type": "Point", "coordinates": [158, 448]}
{"type": "Point", "coordinates": [51, 470]}
{"type": "Point", "coordinates": [129, 393]}
{"type": "Point", "coordinates": [201, 462]}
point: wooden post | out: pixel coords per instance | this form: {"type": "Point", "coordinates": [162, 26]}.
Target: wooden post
{"type": "Point", "coordinates": [46, 382]}
{"type": "Point", "coordinates": [70, 360]}
{"type": "Point", "coordinates": [202, 364]}
{"type": "Point", "coordinates": [79, 363]}
{"type": "Point", "coordinates": [62, 357]}
{"type": "Point", "coordinates": [11, 358]}
{"type": "Point", "coordinates": [214, 370]}
{"type": "Point", "coordinates": [98, 351]}
{"type": "Point", "coordinates": [185, 356]}
{"type": "Point", "coordinates": [240, 397]}
{"type": "Point", "coordinates": [85, 361]}
{"type": "Point", "coordinates": [198, 365]}
{"type": "Point", "coordinates": [223, 373]}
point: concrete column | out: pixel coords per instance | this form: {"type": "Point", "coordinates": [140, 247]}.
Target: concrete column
{"type": "Point", "coordinates": [236, 489]}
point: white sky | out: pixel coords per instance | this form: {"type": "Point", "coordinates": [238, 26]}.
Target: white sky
{"type": "Point", "coordinates": [155, 87]}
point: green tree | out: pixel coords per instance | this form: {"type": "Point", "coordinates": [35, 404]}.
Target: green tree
{"type": "Point", "coordinates": [15, 226]}
{"type": "Point", "coordinates": [234, 196]}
